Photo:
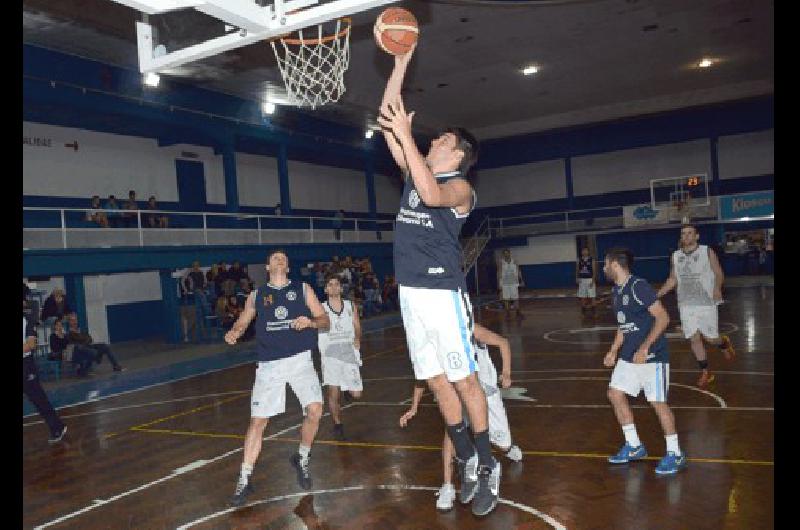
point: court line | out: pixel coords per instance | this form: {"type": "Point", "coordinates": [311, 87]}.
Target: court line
{"type": "Point", "coordinates": [101, 398]}
{"type": "Point", "coordinates": [578, 406]}
{"type": "Point", "coordinates": [192, 466]}
{"type": "Point", "coordinates": [522, 507]}
{"type": "Point", "coordinates": [679, 370]}
{"type": "Point", "coordinates": [140, 405]}
{"type": "Point", "coordinates": [379, 445]}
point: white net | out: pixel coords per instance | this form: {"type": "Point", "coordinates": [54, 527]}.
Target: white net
{"type": "Point", "coordinates": [313, 62]}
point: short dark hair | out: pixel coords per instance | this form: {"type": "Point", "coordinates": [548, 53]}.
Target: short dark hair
{"type": "Point", "coordinates": [277, 251]}
{"type": "Point", "coordinates": [468, 144]}
{"type": "Point", "coordinates": [332, 276]}
{"type": "Point", "coordinates": [623, 256]}
{"type": "Point", "coordinates": [690, 225]}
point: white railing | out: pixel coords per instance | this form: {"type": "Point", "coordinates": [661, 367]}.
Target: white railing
{"type": "Point", "coordinates": [71, 229]}
{"type": "Point", "coordinates": [556, 222]}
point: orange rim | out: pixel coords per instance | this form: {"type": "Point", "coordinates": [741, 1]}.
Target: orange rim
{"type": "Point", "coordinates": [347, 20]}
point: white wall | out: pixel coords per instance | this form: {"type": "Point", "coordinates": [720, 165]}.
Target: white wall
{"type": "Point", "coordinates": [746, 155]}
{"type": "Point", "coordinates": [537, 181]}
{"type": "Point", "coordinates": [258, 180]}
{"type": "Point", "coordinates": [315, 187]}
{"type": "Point", "coordinates": [388, 191]}
{"type": "Point", "coordinates": [113, 289]}
{"type": "Point", "coordinates": [106, 164]}
{"type": "Point", "coordinates": [544, 249]}
{"type": "Point", "coordinates": [631, 169]}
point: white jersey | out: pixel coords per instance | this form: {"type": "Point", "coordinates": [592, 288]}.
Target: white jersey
{"type": "Point", "coordinates": [509, 275]}
{"type": "Point", "coordinates": [695, 277]}
{"type": "Point", "coordinates": [487, 373]}
{"type": "Point", "coordinates": [337, 342]}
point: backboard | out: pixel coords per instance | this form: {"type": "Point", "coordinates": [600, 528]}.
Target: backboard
{"type": "Point", "coordinates": [243, 22]}
{"type": "Point", "coordinates": [680, 195]}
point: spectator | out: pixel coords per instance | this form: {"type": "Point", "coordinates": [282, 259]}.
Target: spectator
{"type": "Point", "coordinates": [26, 291]}
{"type": "Point", "coordinates": [61, 350]}
{"type": "Point", "coordinates": [32, 387]}
{"type": "Point", "coordinates": [113, 217]}
{"type": "Point", "coordinates": [231, 312]}
{"type": "Point", "coordinates": [227, 285]}
{"type": "Point", "coordinates": [243, 291]}
{"type": "Point", "coordinates": [372, 296]}
{"type": "Point", "coordinates": [83, 341]}
{"type": "Point", "coordinates": [156, 220]}
{"type": "Point", "coordinates": [130, 219]}
{"type": "Point", "coordinates": [237, 273]}
{"type": "Point", "coordinates": [196, 279]}
{"type": "Point", "coordinates": [390, 300]}
{"type": "Point", "coordinates": [220, 308]}
{"type": "Point", "coordinates": [96, 214]}
{"type": "Point", "coordinates": [337, 225]}
{"type": "Point", "coordinates": [55, 307]}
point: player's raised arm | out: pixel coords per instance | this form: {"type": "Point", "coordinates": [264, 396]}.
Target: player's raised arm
{"type": "Point", "coordinates": [392, 91]}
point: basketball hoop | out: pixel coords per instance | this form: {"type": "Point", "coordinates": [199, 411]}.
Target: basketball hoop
{"type": "Point", "coordinates": [313, 62]}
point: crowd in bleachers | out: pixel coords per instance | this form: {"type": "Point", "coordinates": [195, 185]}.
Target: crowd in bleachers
{"type": "Point", "coordinates": [111, 214]}
{"type": "Point", "coordinates": [359, 283]}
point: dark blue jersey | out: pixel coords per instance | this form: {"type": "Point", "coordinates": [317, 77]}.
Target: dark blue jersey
{"type": "Point", "coordinates": [631, 303]}
{"type": "Point", "coordinates": [427, 252]}
{"type": "Point", "coordinates": [276, 309]}
{"type": "Point", "coordinates": [585, 267]}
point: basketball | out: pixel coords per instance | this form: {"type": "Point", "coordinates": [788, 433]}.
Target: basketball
{"type": "Point", "coordinates": [396, 30]}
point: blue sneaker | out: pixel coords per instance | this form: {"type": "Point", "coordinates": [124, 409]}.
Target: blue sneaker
{"type": "Point", "coordinates": [671, 464]}
{"type": "Point", "coordinates": [628, 454]}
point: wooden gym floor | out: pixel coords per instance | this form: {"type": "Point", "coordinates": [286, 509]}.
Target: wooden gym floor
{"type": "Point", "coordinates": [168, 456]}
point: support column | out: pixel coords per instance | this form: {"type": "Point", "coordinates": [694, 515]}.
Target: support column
{"type": "Point", "coordinates": [283, 176]}
{"type": "Point", "coordinates": [172, 312]}
{"type": "Point", "coordinates": [231, 183]}
{"type": "Point", "coordinates": [76, 297]}
{"type": "Point", "coordinates": [372, 205]}
{"type": "Point", "coordinates": [568, 176]}
{"type": "Point", "coordinates": [714, 186]}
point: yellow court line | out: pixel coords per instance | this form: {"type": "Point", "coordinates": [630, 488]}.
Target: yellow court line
{"type": "Point", "coordinates": [557, 454]}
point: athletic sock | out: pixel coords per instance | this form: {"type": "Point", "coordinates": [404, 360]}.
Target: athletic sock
{"type": "Point", "coordinates": [459, 435]}
{"type": "Point", "coordinates": [246, 471]}
{"type": "Point", "coordinates": [304, 452]}
{"type": "Point", "coordinates": [484, 448]}
{"type": "Point", "coordinates": [631, 436]}
{"type": "Point", "coordinates": [672, 444]}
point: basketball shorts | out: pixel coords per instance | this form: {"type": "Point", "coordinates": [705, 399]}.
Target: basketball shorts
{"type": "Point", "coordinates": [510, 292]}
{"type": "Point", "coordinates": [702, 318]}
{"type": "Point", "coordinates": [345, 375]}
{"type": "Point", "coordinates": [632, 378]}
{"type": "Point", "coordinates": [438, 325]}
{"type": "Point", "coordinates": [269, 390]}
{"type": "Point", "coordinates": [586, 288]}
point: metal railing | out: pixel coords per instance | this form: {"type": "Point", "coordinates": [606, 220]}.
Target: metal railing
{"type": "Point", "coordinates": [557, 222]}
{"type": "Point", "coordinates": [45, 227]}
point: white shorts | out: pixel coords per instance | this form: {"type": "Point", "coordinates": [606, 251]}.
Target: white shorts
{"type": "Point", "coordinates": [702, 318]}
{"type": "Point", "coordinates": [438, 324]}
{"type": "Point", "coordinates": [346, 376]}
{"type": "Point", "coordinates": [269, 389]}
{"type": "Point", "coordinates": [632, 378]}
{"type": "Point", "coordinates": [510, 292]}
{"type": "Point", "coordinates": [499, 431]}
{"type": "Point", "coordinates": [586, 288]}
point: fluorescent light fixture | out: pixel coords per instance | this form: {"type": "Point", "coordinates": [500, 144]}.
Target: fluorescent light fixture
{"type": "Point", "coordinates": [268, 107]}
{"type": "Point", "coordinates": [530, 70]}
{"type": "Point", "coordinates": [744, 219]}
{"type": "Point", "coordinates": [705, 62]}
{"type": "Point", "coordinates": [152, 79]}
{"type": "Point", "coordinates": [369, 134]}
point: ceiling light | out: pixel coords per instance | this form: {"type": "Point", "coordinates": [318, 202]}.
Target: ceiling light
{"type": "Point", "coordinates": [369, 134]}
{"type": "Point", "coordinates": [705, 63]}
{"type": "Point", "coordinates": [530, 70]}
{"type": "Point", "coordinates": [152, 79]}
{"type": "Point", "coordinates": [268, 107]}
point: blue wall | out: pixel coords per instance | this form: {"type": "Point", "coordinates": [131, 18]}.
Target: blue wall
{"type": "Point", "coordinates": [138, 320]}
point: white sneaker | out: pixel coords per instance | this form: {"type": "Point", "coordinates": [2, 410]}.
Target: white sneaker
{"type": "Point", "coordinates": [447, 495]}
{"type": "Point", "coordinates": [514, 454]}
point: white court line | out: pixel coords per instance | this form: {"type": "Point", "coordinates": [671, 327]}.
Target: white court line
{"type": "Point", "coordinates": [523, 507]}
{"type": "Point", "coordinates": [192, 466]}
{"type": "Point", "coordinates": [139, 405]}
{"type": "Point", "coordinates": [569, 406]}
{"type": "Point", "coordinates": [553, 370]}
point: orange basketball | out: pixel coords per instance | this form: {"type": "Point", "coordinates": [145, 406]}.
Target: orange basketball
{"type": "Point", "coordinates": [396, 30]}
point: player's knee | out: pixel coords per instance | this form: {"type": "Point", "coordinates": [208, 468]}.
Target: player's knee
{"type": "Point", "coordinates": [614, 395]}
{"type": "Point", "coordinates": [258, 424]}
{"type": "Point", "coordinates": [314, 411]}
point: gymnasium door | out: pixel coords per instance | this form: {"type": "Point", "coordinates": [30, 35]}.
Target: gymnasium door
{"type": "Point", "coordinates": [191, 185]}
